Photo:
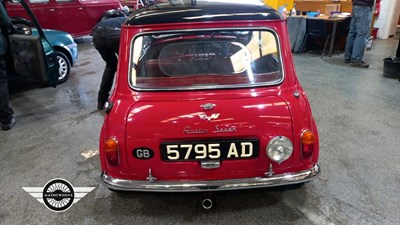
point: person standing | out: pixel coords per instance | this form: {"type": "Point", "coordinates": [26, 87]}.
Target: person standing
{"type": "Point", "coordinates": [6, 112]}
{"type": "Point", "coordinates": [106, 35]}
{"type": "Point", "coordinates": [361, 17]}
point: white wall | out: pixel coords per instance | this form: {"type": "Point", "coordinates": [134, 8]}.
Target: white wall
{"type": "Point", "coordinates": [387, 19]}
{"type": "Point", "coordinates": [395, 17]}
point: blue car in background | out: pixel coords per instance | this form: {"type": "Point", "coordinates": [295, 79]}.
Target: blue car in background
{"type": "Point", "coordinates": [65, 48]}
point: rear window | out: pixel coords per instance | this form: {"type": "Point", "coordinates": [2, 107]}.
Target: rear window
{"type": "Point", "coordinates": [205, 60]}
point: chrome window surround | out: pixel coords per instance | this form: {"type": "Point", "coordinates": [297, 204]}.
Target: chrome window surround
{"type": "Point", "coordinates": [212, 87]}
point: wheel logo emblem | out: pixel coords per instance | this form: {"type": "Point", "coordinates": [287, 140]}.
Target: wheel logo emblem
{"type": "Point", "coordinates": [58, 195]}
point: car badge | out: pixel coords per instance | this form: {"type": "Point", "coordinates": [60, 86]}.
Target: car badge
{"type": "Point", "coordinates": [203, 116]}
{"type": "Point", "coordinates": [208, 106]}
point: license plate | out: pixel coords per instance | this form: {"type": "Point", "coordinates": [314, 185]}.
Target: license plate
{"type": "Point", "coordinates": [210, 150]}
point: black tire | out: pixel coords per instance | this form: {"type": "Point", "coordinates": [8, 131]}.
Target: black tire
{"type": "Point", "coordinates": [64, 67]}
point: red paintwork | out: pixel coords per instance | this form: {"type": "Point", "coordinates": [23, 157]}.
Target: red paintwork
{"type": "Point", "coordinates": [76, 17]}
{"type": "Point", "coordinates": [144, 119]}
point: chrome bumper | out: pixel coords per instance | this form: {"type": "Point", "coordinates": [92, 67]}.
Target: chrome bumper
{"type": "Point", "coordinates": [214, 185]}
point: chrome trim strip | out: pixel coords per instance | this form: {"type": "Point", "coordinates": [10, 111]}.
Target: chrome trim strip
{"type": "Point", "coordinates": [210, 164]}
{"type": "Point", "coordinates": [215, 185]}
{"type": "Point", "coordinates": [212, 87]}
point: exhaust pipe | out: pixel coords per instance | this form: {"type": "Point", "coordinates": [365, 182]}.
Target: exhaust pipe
{"type": "Point", "coordinates": [207, 203]}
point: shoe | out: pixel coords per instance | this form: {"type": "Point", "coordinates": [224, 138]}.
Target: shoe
{"type": "Point", "coordinates": [8, 126]}
{"type": "Point", "coordinates": [347, 60]}
{"type": "Point", "coordinates": [359, 64]}
{"type": "Point", "coordinates": [100, 105]}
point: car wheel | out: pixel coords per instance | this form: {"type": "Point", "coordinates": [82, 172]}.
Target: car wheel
{"type": "Point", "coordinates": [64, 67]}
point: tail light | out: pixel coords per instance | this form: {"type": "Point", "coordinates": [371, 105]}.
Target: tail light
{"type": "Point", "coordinates": [307, 143]}
{"type": "Point", "coordinates": [111, 150]}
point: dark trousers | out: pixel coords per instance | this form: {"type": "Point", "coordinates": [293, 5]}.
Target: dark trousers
{"type": "Point", "coordinates": [106, 41]}
{"type": "Point", "coordinates": [6, 112]}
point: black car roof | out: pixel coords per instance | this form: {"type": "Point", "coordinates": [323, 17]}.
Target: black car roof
{"type": "Point", "coordinates": [201, 11]}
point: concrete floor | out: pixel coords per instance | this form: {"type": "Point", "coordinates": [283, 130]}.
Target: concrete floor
{"type": "Point", "coordinates": [357, 113]}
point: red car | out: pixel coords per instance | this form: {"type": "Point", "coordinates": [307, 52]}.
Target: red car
{"type": "Point", "coordinates": [207, 99]}
{"type": "Point", "coordinates": [76, 17]}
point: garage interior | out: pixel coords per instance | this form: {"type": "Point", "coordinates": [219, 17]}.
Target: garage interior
{"type": "Point", "coordinates": [357, 114]}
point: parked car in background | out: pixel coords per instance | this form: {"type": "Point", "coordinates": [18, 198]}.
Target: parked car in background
{"type": "Point", "coordinates": [76, 17]}
{"type": "Point", "coordinates": [40, 55]}
{"type": "Point", "coordinates": [207, 99]}
{"type": "Point", "coordinates": [65, 48]}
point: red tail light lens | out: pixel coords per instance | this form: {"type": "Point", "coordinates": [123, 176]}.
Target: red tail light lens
{"type": "Point", "coordinates": [111, 150]}
{"type": "Point", "coordinates": [307, 143]}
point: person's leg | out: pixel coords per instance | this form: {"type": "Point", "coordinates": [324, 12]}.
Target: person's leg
{"type": "Point", "coordinates": [363, 21]}
{"type": "Point", "coordinates": [107, 79]}
{"type": "Point", "coordinates": [101, 44]}
{"type": "Point", "coordinates": [111, 59]}
{"type": "Point", "coordinates": [350, 40]}
{"type": "Point", "coordinates": [6, 113]}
